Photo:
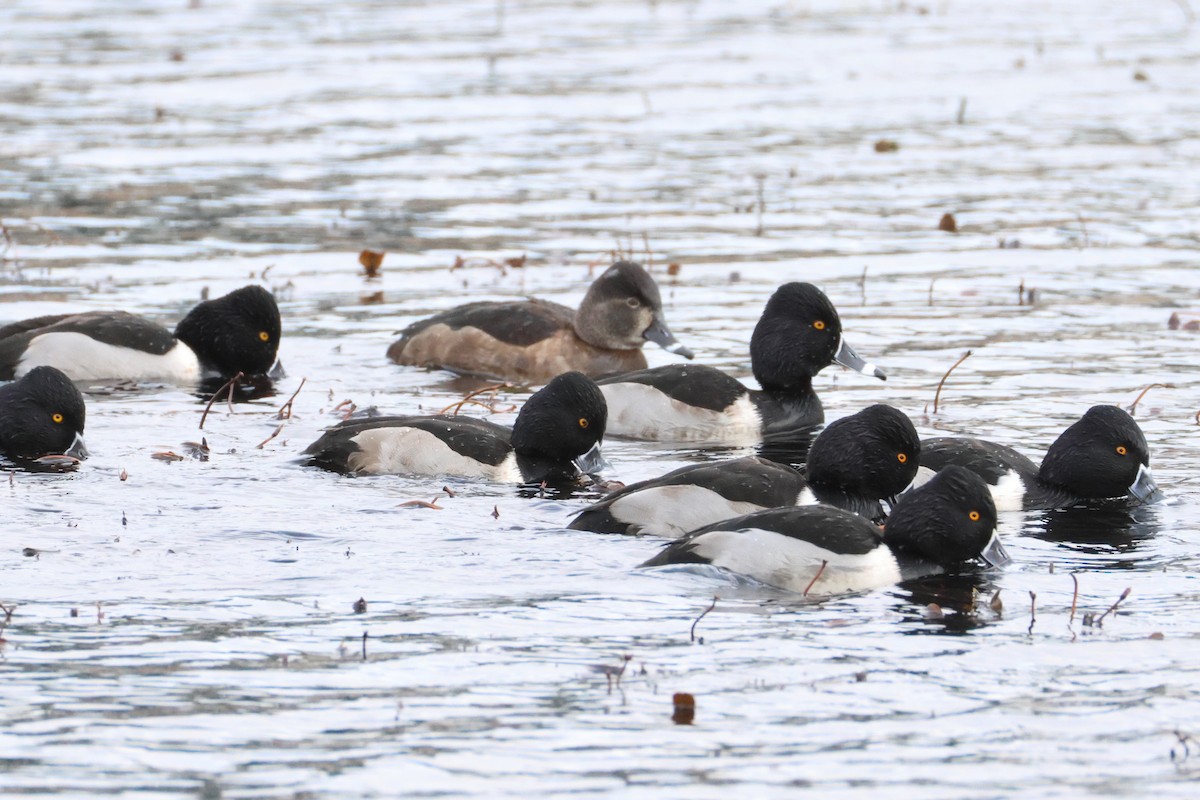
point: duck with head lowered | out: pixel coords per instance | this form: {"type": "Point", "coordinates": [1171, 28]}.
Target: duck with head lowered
{"type": "Point", "coordinates": [1102, 458]}
{"type": "Point", "coordinates": [556, 439]}
{"type": "Point", "coordinates": [42, 414]}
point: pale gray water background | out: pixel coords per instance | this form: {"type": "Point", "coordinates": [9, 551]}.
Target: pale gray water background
{"type": "Point", "coordinates": [149, 150]}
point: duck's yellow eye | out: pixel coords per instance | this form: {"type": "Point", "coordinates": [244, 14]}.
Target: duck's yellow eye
{"type": "Point", "coordinates": [902, 458]}
{"type": "Point", "coordinates": [974, 515]}
{"type": "Point", "coordinates": [263, 336]}
{"type": "Point", "coordinates": [819, 325]}
{"type": "Point", "coordinates": [583, 423]}
{"type": "Point", "coordinates": [57, 417]}
{"type": "Point", "coordinates": [1121, 450]}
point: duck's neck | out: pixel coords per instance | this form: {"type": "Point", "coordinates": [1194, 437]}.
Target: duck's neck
{"type": "Point", "coordinates": [786, 410]}
{"type": "Point", "coordinates": [540, 468]}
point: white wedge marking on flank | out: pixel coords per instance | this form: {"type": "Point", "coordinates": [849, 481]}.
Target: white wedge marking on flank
{"type": "Point", "coordinates": [792, 564]}
{"type": "Point", "coordinates": [83, 358]}
{"type": "Point", "coordinates": [675, 510]}
{"type": "Point", "coordinates": [411, 451]}
{"type": "Point", "coordinates": [642, 412]}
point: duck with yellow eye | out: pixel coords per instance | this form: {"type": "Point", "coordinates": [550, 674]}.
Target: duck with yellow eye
{"type": "Point", "coordinates": [820, 550]}
{"type": "Point", "coordinates": [218, 338]}
{"type": "Point", "coordinates": [1102, 459]}
{"type": "Point", "coordinates": [556, 439]}
{"type": "Point", "coordinates": [857, 462]}
{"type": "Point", "coordinates": [42, 415]}
{"type": "Point", "coordinates": [798, 335]}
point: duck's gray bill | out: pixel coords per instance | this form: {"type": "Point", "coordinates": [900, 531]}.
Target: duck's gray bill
{"type": "Point", "coordinates": [277, 372]}
{"type": "Point", "coordinates": [852, 360]}
{"type": "Point", "coordinates": [1144, 489]}
{"type": "Point", "coordinates": [661, 335]}
{"type": "Point", "coordinates": [994, 554]}
{"type": "Point", "coordinates": [592, 461]}
{"type": "Point", "coordinates": [78, 449]}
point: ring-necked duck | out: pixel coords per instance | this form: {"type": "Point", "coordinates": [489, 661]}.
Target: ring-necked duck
{"type": "Point", "coordinates": [218, 338]}
{"type": "Point", "coordinates": [1103, 456]}
{"type": "Point", "coordinates": [798, 335]}
{"type": "Point", "coordinates": [854, 463]}
{"type": "Point", "coordinates": [42, 414]}
{"type": "Point", "coordinates": [825, 550]}
{"type": "Point", "coordinates": [534, 340]}
{"type": "Point", "coordinates": [556, 439]}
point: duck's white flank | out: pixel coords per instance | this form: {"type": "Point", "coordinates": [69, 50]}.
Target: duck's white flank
{"type": "Point", "coordinates": [83, 358]}
{"type": "Point", "coordinates": [411, 451]}
{"type": "Point", "coordinates": [792, 564]}
{"type": "Point", "coordinates": [642, 412]}
{"type": "Point", "coordinates": [674, 510]}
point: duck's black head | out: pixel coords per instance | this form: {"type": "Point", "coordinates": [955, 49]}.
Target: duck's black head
{"type": "Point", "coordinates": [948, 521]}
{"type": "Point", "coordinates": [561, 424]}
{"type": "Point", "coordinates": [873, 454]}
{"type": "Point", "coordinates": [799, 334]}
{"type": "Point", "coordinates": [235, 333]}
{"type": "Point", "coordinates": [42, 414]}
{"type": "Point", "coordinates": [622, 310]}
{"type": "Point", "coordinates": [1102, 455]}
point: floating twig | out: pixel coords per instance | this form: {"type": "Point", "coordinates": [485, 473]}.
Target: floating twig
{"type": "Point", "coordinates": [285, 410]}
{"type": "Point", "coordinates": [1134, 405]}
{"type": "Point", "coordinates": [1074, 598]}
{"type": "Point", "coordinates": [364, 646]}
{"type": "Point", "coordinates": [702, 615]}
{"type": "Point", "coordinates": [420, 504]}
{"type": "Point", "coordinates": [1032, 611]}
{"type": "Point", "coordinates": [815, 577]}
{"type": "Point", "coordinates": [230, 385]}
{"type": "Point", "coordinates": [937, 396]}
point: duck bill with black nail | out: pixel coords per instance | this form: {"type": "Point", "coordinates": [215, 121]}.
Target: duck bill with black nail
{"type": "Point", "coordinates": [994, 555]}
{"type": "Point", "coordinates": [1144, 489]}
{"type": "Point", "coordinates": [661, 335]}
{"type": "Point", "coordinates": [592, 462]}
{"type": "Point", "coordinates": [849, 359]}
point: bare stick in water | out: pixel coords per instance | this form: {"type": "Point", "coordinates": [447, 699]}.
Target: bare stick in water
{"type": "Point", "coordinates": [285, 410]}
{"type": "Point", "coordinates": [1113, 607]}
{"type": "Point", "coordinates": [702, 615]}
{"type": "Point", "coordinates": [815, 577]}
{"type": "Point", "coordinates": [1133, 407]}
{"type": "Point", "coordinates": [458, 406]}
{"type": "Point", "coordinates": [230, 386]}
{"type": "Point", "coordinates": [937, 396]}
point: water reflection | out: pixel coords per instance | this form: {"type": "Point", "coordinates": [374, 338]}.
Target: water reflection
{"type": "Point", "coordinates": [947, 603]}
{"type": "Point", "coordinates": [1096, 530]}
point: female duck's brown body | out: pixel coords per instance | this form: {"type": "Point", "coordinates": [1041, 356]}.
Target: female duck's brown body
{"type": "Point", "coordinates": [533, 340]}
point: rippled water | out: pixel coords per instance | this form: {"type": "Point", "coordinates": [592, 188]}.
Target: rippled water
{"type": "Point", "coordinates": [189, 631]}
